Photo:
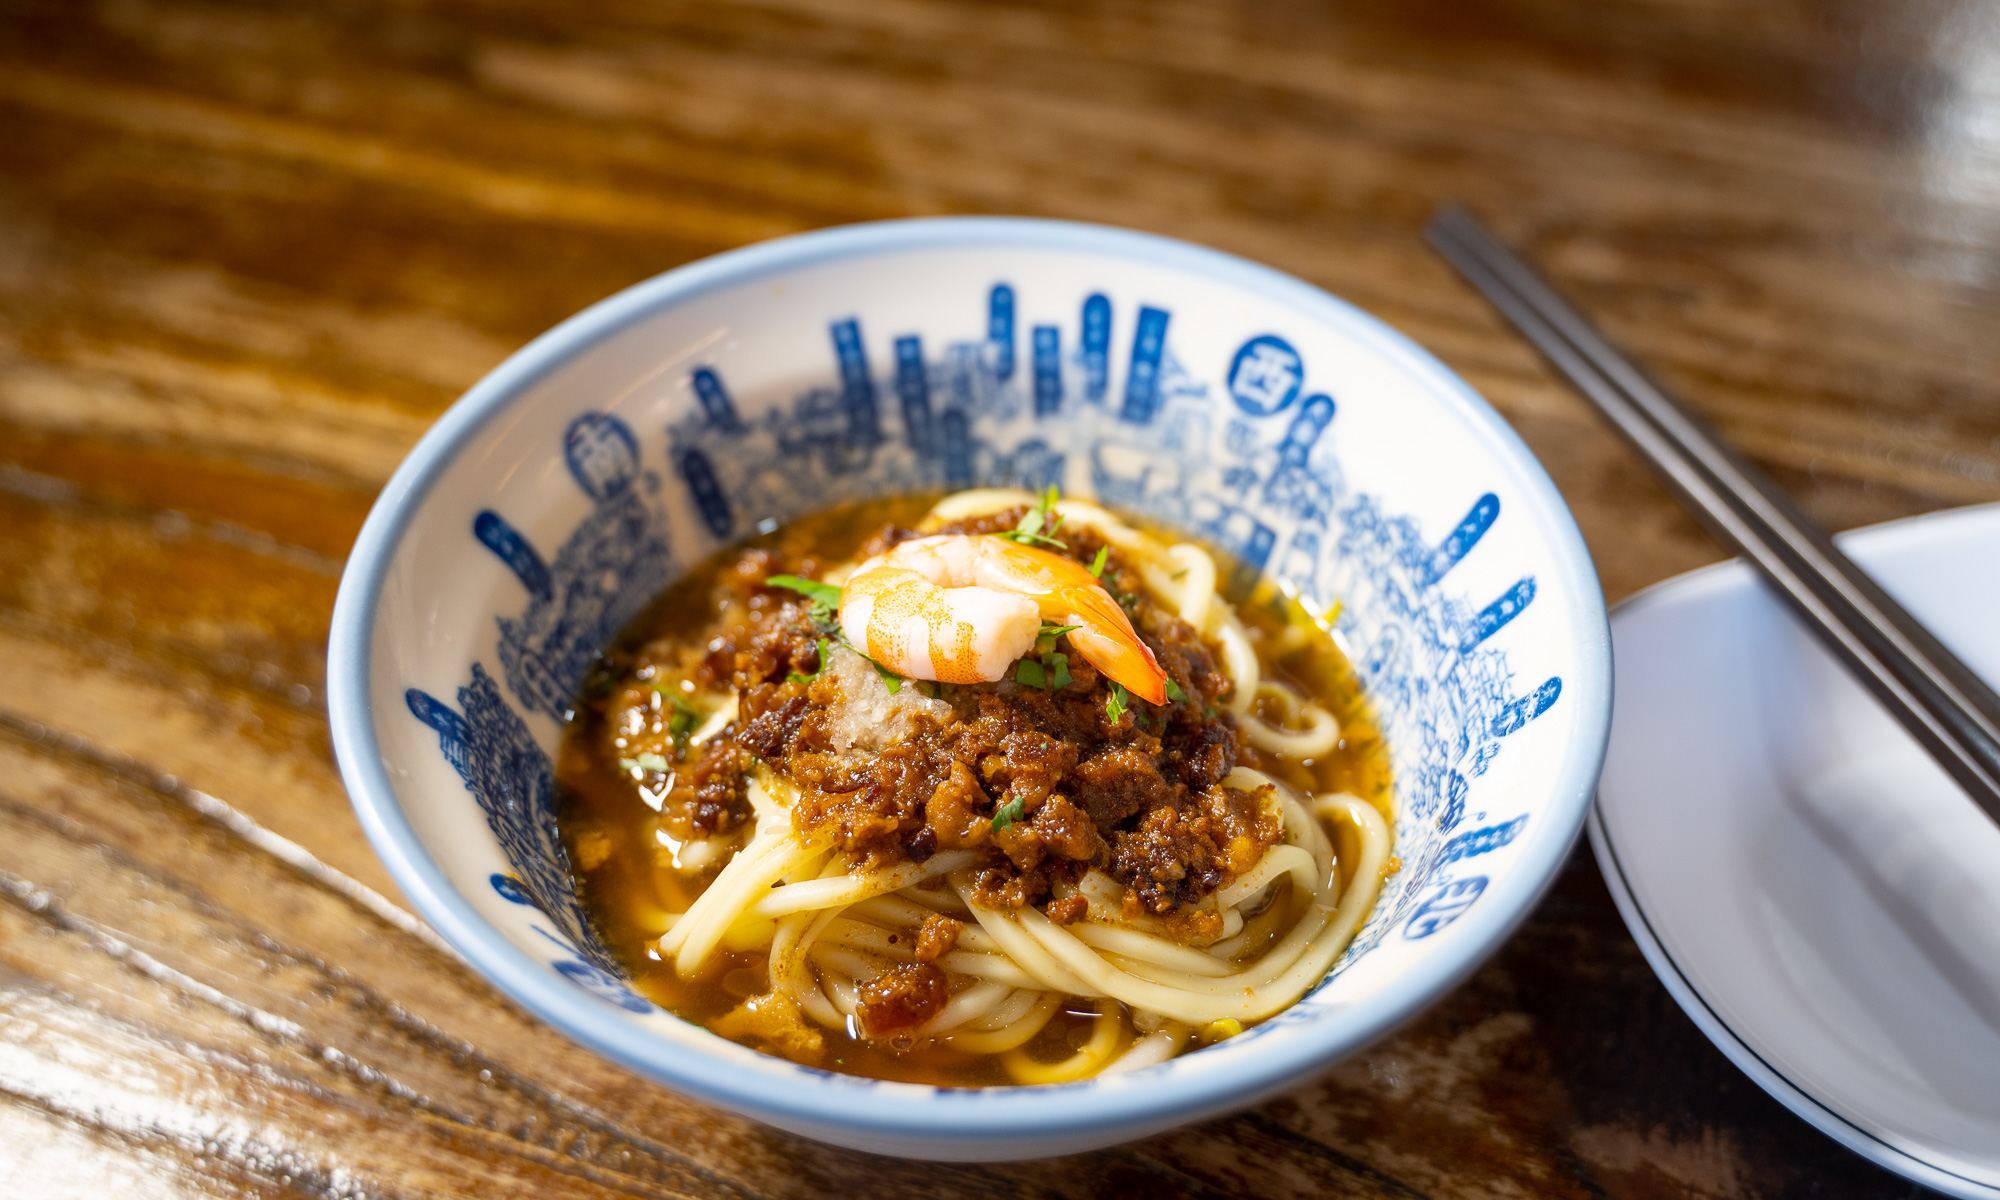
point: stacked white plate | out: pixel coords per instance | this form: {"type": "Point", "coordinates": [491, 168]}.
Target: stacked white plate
{"type": "Point", "coordinates": [1812, 889]}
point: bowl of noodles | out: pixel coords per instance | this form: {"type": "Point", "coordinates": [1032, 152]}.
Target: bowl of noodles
{"type": "Point", "coordinates": [971, 688]}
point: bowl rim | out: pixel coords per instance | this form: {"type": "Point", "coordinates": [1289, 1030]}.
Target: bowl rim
{"type": "Point", "coordinates": [910, 1113]}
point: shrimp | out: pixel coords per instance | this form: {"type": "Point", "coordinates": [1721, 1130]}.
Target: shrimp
{"type": "Point", "coordinates": [960, 608]}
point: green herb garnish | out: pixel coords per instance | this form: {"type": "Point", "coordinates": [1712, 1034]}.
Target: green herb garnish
{"type": "Point", "coordinates": [1038, 525]}
{"type": "Point", "coordinates": [645, 762]}
{"type": "Point", "coordinates": [681, 724]}
{"type": "Point", "coordinates": [1045, 638]}
{"type": "Point", "coordinates": [1010, 812]}
{"type": "Point", "coordinates": [824, 596]}
{"type": "Point", "coordinates": [1050, 673]}
{"type": "Point", "coordinates": [825, 660]}
{"type": "Point", "coordinates": [1097, 564]}
{"type": "Point", "coordinates": [1174, 691]}
{"type": "Point", "coordinates": [1116, 704]}
{"type": "Point", "coordinates": [825, 599]}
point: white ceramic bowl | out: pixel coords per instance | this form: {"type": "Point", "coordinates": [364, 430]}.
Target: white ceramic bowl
{"type": "Point", "coordinates": [1217, 396]}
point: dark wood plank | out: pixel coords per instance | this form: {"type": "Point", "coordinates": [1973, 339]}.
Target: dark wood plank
{"type": "Point", "coordinates": [248, 253]}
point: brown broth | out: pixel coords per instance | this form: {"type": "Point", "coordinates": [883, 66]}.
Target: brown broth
{"type": "Point", "coordinates": [615, 841]}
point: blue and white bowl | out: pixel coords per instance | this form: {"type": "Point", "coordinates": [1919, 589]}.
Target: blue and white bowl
{"type": "Point", "coordinates": [1219, 397]}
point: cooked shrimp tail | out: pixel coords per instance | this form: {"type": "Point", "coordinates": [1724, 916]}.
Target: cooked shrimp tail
{"type": "Point", "coordinates": [960, 608]}
{"type": "Point", "coordinates": [1106, 641]}
{"type": "Point", "coordinates": [1070, 595]}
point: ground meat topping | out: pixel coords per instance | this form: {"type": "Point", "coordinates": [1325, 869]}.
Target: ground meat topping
{"type": "Point", "coordinates": [1069, 910]}
{"type": "Point", "coordinates": [903, 997]}
{"type": "Point", "coordinates": [936, 936]}
{"type": "Point", "coordinates": [899, 776]}
{"type": "Point", "coordinates": [719, 800]}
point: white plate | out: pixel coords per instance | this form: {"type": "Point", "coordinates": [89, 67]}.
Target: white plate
{"type": "Point", "coordinates": [1816, 894]}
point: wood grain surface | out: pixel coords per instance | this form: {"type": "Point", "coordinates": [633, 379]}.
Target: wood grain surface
{"type": "Point", "coordinates": [248, 252]}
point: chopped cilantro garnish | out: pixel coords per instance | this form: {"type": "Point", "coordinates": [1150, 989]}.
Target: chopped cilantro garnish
{"type": "Point", "coordinates": [1045, 639]}
{"type": "Point", "coordinates": [1038, 525]}
{"type": "Point", "coordinates": [819, 593]}
{"type": "Point", "coordinates": [1174, 691]}
{"type": "Point", "coordinates": [1208, 711]}
{"type": "Point", "coordinates": [1097, 564]}
{"type": "Point", "coordinates": [645, 762]}
{"type": "Point", "coordinates": [681, 724]}
{"type": "Point", "coordinates": [1010, 812]}
{"type": "Point", "coordinates": [823, 617]}
{"type": "Point", "coordinates": [1115, 705]}
{"type": "Point", "coordinates": [824, 596]}
{"type": "Point", "coordinates": [825, 660]}
{"type": "Point", "coordinates": [1050, 673]}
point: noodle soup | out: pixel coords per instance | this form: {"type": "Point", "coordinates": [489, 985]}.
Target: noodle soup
{"type": "Point", "coordinates": [984, 790]}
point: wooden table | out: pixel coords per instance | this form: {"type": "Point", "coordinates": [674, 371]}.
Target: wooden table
{"type": "Point", "coordinates": [249, 252]}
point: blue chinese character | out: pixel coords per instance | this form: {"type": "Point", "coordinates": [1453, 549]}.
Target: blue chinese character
{"type": "Point", "coordinates": [1266, 375]}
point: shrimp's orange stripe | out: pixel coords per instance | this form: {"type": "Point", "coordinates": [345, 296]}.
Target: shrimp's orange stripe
{"type": "Point", "coordinates": [888, 621]}
{"type": "Point", "coordinates": [907, 606]}
{"type": "Point", "coordinates": [952, 655]}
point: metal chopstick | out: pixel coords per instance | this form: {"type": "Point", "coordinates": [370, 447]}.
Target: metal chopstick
{"type": "Point", "coordinates": [1948, 709]}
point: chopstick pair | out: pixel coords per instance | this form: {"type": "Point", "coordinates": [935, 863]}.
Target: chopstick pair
{"type": "Point", "coordinates": [1951, 712]}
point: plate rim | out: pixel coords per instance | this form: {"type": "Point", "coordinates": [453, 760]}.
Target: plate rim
{"type": "Point", "coordinates": [1687, 587]}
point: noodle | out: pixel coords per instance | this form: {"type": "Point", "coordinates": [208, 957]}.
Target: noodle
{"type": "Point", "coordinates": [826, 928]}
{"type": "Point", "coordinates": [1241, 663]}
{"type": "Point", "coordinates": [1107, 1031]}
{"type": "Point", "coordinates": [1015, 1032]}
{"type": "Point", "coordinates": [1156, 1047]}
{"type": "Point", "coordinates": [1320, 736]}
{"type": "Point", "coordinates": [841, 890]}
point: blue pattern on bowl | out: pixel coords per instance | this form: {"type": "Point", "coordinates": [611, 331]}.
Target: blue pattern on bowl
{"type": "Point", "coordinates": [960, 351]}
{"type": "Point", "coordinates": [965, 420]}
{"type": "Point", "coordinates": [489, 745]}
